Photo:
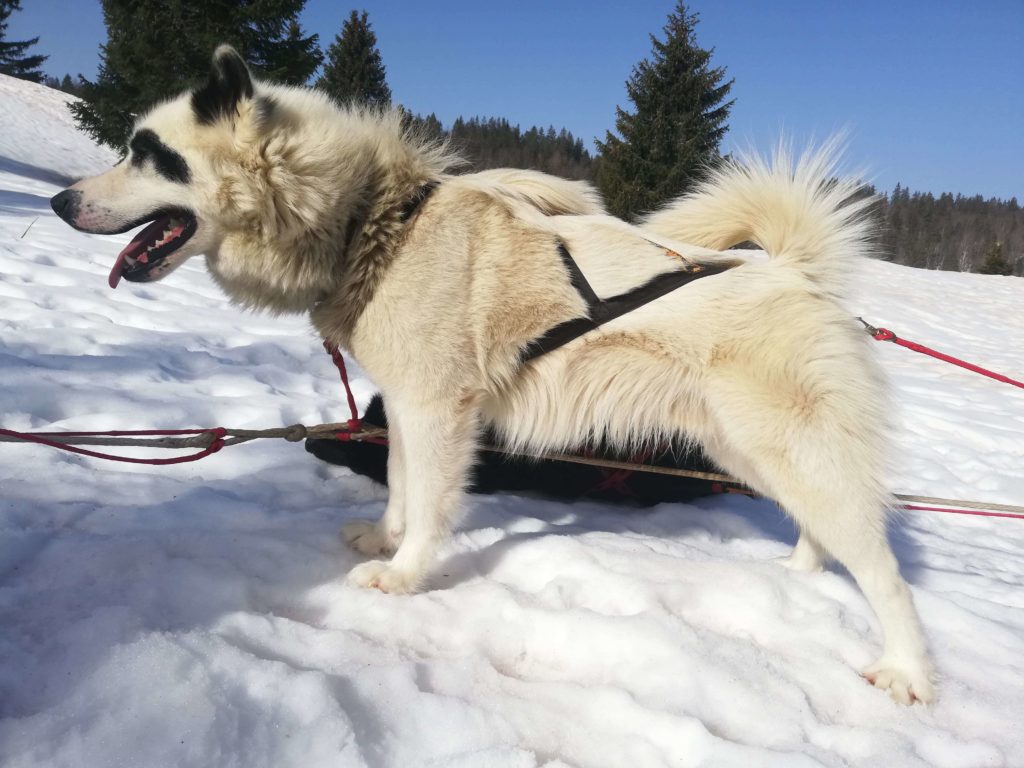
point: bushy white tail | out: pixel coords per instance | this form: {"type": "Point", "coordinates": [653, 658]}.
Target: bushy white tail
{"type": "Point", "coordinates": [799, 211]}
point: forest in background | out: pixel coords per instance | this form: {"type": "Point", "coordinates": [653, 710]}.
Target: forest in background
{"type": "Point", "coordinates": [952, 232]}
{"type": "Point", "coordinates": [679, 114]}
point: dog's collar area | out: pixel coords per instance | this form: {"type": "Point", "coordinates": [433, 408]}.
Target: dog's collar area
{"type": "Point", "coordinates": [406, 212]}
{"type": "Point", "coordinates": [357, 222]}
{"type": "Point", "coordinates": [351, 230]}
{"type": "Point", "coordinates": [601, 311]}
{"type": "Point", "coordinates": [418, 198]}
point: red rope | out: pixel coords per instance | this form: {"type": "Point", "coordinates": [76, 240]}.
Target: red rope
{"type": "Point", "coordinates": [612, 480]}
{"type": "Point", "coordinates": [617, 480]}
{"type": "Point", "coordinates": [884, 334]}
{"type": "Point", "coordinates": [127, 433]}
{"type": "Point", "coordinates": [355, 424]}
{"type": "Point", "coordinates": [35, 437]}
{"type": "Point", "coordinates": [722, 488]}
{"type": "Point", "coordinates": [977, 512]}
{"type": "Point", "coordinates": [218, 433]}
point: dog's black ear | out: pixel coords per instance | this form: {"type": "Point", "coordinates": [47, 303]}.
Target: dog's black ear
{"type": "Point", "coordinates": [229, 83]}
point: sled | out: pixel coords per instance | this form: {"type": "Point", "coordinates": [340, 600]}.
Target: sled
{"type": "Point", "coordinates": [586, 475]}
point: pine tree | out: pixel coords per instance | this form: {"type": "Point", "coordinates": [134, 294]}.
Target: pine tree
{"type": "Point", "coordinates": [995, 263]}
{"type": "Point", "coordinates": [679, 120]}
{"type": "Point", "coordinates": [157, 49]}
{"type": "Point", "coordinates": [13, 58]}
{"type": "Point", "coordinates": [354, 71]}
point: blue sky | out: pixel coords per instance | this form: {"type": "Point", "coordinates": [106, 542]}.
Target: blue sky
{"type": "Point", "coordinates": [931, 93]}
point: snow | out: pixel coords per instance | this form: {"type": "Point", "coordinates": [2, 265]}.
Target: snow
{"type": "Point", "coordinates": [198, 615]}
{"type": "Point", "coordinates": [38, 136]}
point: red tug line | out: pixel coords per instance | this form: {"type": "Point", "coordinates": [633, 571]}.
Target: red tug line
{"type": "Point", "coordinates": [212, 440]}
{"type": "Point", "coordinates": [884, 334]}
{"type": "Point", "coordinates": [43, 438]}
{"type": "Point", "coordinates": [953, 511]}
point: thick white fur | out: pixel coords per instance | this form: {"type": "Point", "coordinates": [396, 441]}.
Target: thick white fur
{"type": "Point", "coordinates": [759, 364]}
{"type": "Point", "coordinates": [548, 194]}
{"type": "Point", "coordinates": [799, 210]}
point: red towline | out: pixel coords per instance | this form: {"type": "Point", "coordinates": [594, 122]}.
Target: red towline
{"type": "Point", "coordinates": [45, 438]}
{"type": "Point", "coordinates": [884, 334]}
{"type": "Point", "coordinates": [352, 429]}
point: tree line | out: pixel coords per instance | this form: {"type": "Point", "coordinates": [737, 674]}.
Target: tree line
{"type": "Point", "coordinates": [965, 234]}
{"type": "Point", "coordinates": [494, 142]}
{"type": "Point", "coordinates": [661, 145]}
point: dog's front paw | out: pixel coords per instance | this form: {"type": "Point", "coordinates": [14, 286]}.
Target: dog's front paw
{"type": "Point", "coordinates": [904, 683]}
{"type": "Point", "coordinates": [368, 537]}
{"type": "Point", "coordinates": [377, 574]}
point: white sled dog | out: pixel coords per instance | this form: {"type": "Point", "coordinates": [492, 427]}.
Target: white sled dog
{"type": "Point", "coordinates": [444, 287]}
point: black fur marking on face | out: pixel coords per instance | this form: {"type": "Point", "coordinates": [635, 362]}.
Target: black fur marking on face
{"type": "Point", "coordinates": [146, 145]}
{"type": "Point", "coordinates": [229, 82]}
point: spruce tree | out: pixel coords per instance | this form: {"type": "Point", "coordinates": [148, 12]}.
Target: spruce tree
{"type": "Point", "coordinates": [354, 71]}
{"type": "Point", "coordinates": [679, 119]}
{"type": "Point", "coordinates": [157, 49]}
{"type": "Point", "coordinates": [14, 60]}
{"type": "Point", "coordinates": [995, 263]}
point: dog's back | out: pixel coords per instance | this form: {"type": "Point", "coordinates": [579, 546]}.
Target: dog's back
{"type": "Point", "coordinates": [550, 195]}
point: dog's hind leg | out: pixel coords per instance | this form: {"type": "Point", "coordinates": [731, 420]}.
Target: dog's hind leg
{"type": "Point", "coordinates": [807, 555]}
{"type": "Point", "coordinates": [903, 668]}
{"type": "Point", "coordinates": [438, 449]}
{"type": "Point", "coordinates": [381, 537]}
{"type": "Point", "coordinates": [818, 475]}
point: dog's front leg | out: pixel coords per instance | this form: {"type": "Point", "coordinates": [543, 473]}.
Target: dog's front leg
{"type": "Point", "coordinates": [438, 446]}
{"type": "Point", "coordinates": [381, 537]}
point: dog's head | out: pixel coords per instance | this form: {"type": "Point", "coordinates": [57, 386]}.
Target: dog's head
{"type": "Point", "coordinates": [163, 179]}
{"type": "Point", "coordinates": [267, 181]}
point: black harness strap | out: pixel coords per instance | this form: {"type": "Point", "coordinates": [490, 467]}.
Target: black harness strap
{"type": "Point", "coordinates": [601, 311]}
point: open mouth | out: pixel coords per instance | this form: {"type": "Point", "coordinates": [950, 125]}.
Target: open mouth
{"type": "Point", "coordinates": [144, 258]}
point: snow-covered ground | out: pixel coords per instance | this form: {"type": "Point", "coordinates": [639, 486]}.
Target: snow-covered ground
{"type": "Point", "coordinates": [198, 615]}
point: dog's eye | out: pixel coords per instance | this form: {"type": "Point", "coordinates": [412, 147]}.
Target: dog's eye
{"type": "Point", "coordinates": [145, 145]}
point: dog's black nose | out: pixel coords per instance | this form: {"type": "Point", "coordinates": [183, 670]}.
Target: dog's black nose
{"type": "Point", "coordinates": [65, 204]}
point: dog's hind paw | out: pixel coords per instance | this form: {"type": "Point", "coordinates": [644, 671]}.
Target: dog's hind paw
{"type": "Point", "coordinates": [806, 556]}
{"type": "Point", "coordinates": [801, 563]}
{"type": "Point", "coordinates": [368, 537]}
{"type": "Point", "coordinates": [377, 574]}
{"type": "Point", "coordinates": [904, 686]}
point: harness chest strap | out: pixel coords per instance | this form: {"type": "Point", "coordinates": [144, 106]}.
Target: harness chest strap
{"type": "Point", "coordinates": [601, 311]}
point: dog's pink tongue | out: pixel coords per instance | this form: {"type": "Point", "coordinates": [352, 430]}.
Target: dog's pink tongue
{"type": "Point", "coordinates": [136, 248]}
{"type": "Point", "coordinates": [115, 274]}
